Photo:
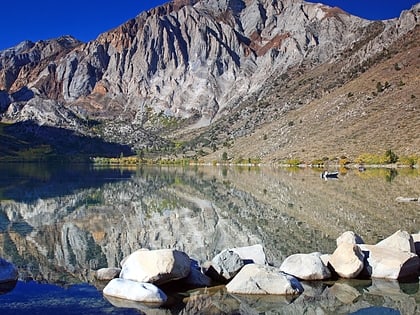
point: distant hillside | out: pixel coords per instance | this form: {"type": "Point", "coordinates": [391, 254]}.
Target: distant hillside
{"type": "Point", "coordinates": [369, 109]}
{"type": "Point", "coordinates": [270, 80]}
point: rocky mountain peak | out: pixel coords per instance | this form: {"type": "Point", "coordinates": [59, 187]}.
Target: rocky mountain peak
{"type": "Point", "coordinates": [22, 64]}
{"type": "Point", "coordinates": [188, 60]}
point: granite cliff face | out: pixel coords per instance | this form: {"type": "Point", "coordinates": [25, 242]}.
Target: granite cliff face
{"type": "Point", "coordinates": [189, 61]}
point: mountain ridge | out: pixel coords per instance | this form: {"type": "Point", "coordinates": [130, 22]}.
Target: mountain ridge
{"type": "Point", "coordinates": [173, 73]}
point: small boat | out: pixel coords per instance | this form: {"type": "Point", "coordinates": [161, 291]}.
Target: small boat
{"type": "Point", "coordinates": [326, 175]}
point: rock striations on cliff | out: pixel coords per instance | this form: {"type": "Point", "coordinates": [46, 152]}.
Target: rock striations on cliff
{"type": "Point", "coordinates": [195, 61]}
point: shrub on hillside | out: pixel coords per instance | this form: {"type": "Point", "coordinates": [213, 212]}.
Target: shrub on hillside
{"type": "Point", "coordinates": [389, 157]}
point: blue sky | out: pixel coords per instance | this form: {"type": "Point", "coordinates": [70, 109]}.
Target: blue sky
{"type": "Point", "coordinates": [86, 19]}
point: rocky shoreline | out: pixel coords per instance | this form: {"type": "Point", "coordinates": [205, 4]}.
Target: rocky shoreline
{"type": "Point", "coordinates": [165, 281]}
{"type": "Point", "coordinates": [146, 276]}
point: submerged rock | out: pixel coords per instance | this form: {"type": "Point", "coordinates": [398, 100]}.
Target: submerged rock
{"type": "Point", "coordinates": [143, 308]}
{"type": "Point", "coordinates": [258, 279]}
{"type": "Point", "coordinates": [344, 292]}
{"type": "Point", "coordinates": [135, 291]}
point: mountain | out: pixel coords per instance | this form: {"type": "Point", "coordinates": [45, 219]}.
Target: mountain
{"type": "Point", "coordinates": [254, 78]}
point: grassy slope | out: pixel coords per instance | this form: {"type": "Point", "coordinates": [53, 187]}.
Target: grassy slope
{"type": "Point", "coordinates": [350, 120]}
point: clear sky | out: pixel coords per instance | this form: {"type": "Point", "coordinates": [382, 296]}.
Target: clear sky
{"type": "Point", "coordinates": [86, 19]}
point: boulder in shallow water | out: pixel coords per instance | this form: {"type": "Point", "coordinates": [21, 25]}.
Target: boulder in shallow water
{"type": "Point", "coordinates": [349, 237]}
{"type": "Point", "coordinates": [259, 279]}
{"type": "Point", "coordinates": [251, 254]}
{"type": "Point", "coordinates": [400, 240]}
{"type": "Point", "coordinates": [225, 265]}
{"type": "Point", "coordinates": [386, 263]}
{"type": "Point", "coordinates": [347, 260]}
{"type": "Point", "coordinates": [135, 291]}
{"type": "Point", "coordinates": [8, 271]}
{"type": "Point", "coordinates": [156, 266]}
{"type": "Point", "coordinates": [306, 267]}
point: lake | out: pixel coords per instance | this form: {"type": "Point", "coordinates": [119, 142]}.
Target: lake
{"type": "Point", "coordinates": [59, 223]}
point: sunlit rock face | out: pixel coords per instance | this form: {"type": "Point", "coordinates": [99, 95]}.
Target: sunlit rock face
{"type": "Point", "coordinates": [184, 59]}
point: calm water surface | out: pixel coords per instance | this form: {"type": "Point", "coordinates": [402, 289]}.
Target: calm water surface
{"type": "Point", "coordinates": [58, 223]}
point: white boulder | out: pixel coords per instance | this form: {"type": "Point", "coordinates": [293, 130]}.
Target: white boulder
{"type": "Point", "coordinates": [106, 274]}
{"type": "Point", "coordinates": [251, 254]}
{"type": "Point", "coordinates": [349, 237]}
{"type": "Point", "coordinates": [135, 291]}
{"type": "Point", "coordinates": [225, 265]}
{"type": "Point", "coordinates": [259, 279]}
{"type": "Point", "coordinates": [156, 266]}
{"type": "Point", "coordinates": [400, 240]}
{"type": "Point", "coordinates": [387, 263]}
{"type": "Point", "coordinates": [325, 259]}
{"type": "Point", "coordinates": [347, 260]}
{"type": "Point", "coordinates": [306, 267]}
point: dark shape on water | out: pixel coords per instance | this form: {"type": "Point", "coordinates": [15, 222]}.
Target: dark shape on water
{"type": "Point", "coordinates": [327, 175]}
{"type": "Point", "coordinates": [7, 287]}
{"type": "Point", "coordinates": [27, 182]}
{"type": "Point", "coordinates": [392, 173]}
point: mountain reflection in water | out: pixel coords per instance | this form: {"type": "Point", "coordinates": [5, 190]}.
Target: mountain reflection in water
{"type": "Point", "coordinates": [58, 223]}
